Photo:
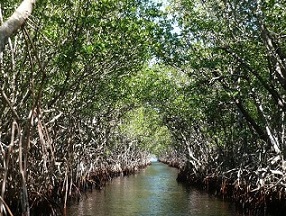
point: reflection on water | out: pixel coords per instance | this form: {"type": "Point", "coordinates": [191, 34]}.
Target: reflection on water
{"type": "Point", "coordinates": [154, 191]}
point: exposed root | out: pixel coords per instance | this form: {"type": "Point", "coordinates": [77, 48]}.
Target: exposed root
{"type": "Point", "coordinates": [254, 191]}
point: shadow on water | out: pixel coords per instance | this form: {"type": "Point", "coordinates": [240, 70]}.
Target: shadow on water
{"type": "Point", "coordinates": [154, 191]}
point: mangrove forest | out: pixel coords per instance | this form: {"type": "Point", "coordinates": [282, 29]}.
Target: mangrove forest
{"type": "Point", "coordinates": [90, 89]}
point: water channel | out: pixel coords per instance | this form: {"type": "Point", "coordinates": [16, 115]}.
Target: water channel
{"type": "Point", "coordinates": [153, 191]}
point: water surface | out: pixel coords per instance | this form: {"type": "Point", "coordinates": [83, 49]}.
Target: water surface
{"type": "Point", "coordinates": [154, 191]}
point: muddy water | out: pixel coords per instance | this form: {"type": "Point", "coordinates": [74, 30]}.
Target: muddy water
{"type": "Point", "coordinates": [154, 191]}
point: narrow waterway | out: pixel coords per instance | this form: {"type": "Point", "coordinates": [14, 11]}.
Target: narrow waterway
{"type": "Point", "coordinates": [154, 191]}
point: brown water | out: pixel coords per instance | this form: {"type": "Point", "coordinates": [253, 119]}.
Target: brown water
{"type": "Point", "coordinates": [154, 191]}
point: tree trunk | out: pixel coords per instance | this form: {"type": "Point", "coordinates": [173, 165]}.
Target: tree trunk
{"type": "Point", "coordinates": [14, 23]}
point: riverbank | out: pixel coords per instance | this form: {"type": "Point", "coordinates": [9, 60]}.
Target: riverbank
{"type": "Point", "coordinates": [240, 187]}
{"type": "Point", "coordinates": [67, 191]}
{"type": "Point", "coordinates": [253, 201]}
{"type": "Point", "coordinates": [97, 180]}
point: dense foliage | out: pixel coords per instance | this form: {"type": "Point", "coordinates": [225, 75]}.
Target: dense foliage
{"type": "Point", "coordinates": [63, 95]}
{"type": "Point", "coordinates": [94, 87]}
{"type": "Point", "coordinates": [235, 58]}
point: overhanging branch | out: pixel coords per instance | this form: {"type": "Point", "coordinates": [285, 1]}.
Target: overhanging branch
{"type": "Point", "coordinates": [14, 22]}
